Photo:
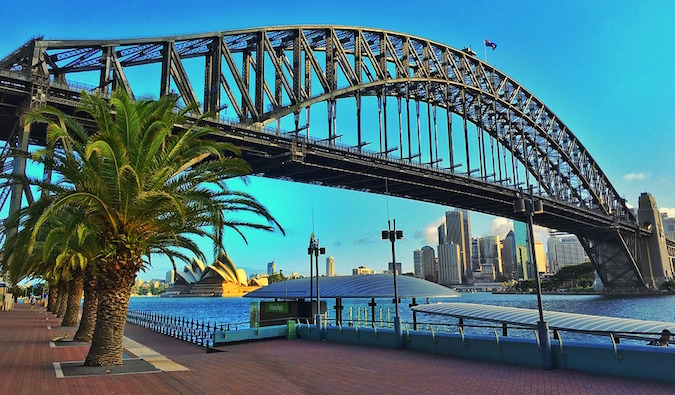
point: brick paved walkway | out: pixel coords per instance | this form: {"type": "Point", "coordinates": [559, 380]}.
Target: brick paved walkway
{"type": "Point", "coordinates": [278, 367]}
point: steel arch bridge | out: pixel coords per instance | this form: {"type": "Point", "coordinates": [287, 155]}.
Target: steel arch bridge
{"type": "Point", "coordinates": [496, 137]}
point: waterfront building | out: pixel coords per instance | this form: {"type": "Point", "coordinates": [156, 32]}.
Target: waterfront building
{"type": "Point", "coordinates": [418, 264]}
{"type": "Point", "coordinates": [564, 250]}
{"type": "Point", "coordinates": [330, 266]}
{"type": "Point", "coordinates": [170, 277]}
{"type": "Point", "coordinates": [362, 270]}
{"type": "Point", "coordinates": [669, 227]}
{"type": "Point", "coordinates": [541, 256]}
{"type": "Point", "coordinates": [523, 263]}
{"type": "Point", "coordinates": [391, 268]}
{"type": "Point", "coordinates": [449, 264]}
{"type": "Point", "coordinates": [295, 275]}
{"type": "Point", "coordinates": [475, 255]}
{"type": "Point", "coordinates": [221, 278]}
{"type": "Point", "coordinates": [429, 263]}
{"type": "Point", "coordinates": [458, 231]}
{"type": "Point", "coordinates": [509, 255]}
{"type": "Point", "coordinates": [271, 268]}
{"type": "Point", "coordinates": [490, 258]}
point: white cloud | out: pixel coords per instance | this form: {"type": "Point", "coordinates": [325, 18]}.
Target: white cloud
{"type": "Point", "coordinates": [635, 176]}
{"type": "Point", "coordinates": [499, 227]}
{"type": "Point", "coordinates": [430, 232]}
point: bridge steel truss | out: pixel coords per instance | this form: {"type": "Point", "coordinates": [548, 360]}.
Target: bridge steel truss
{"type": "Point", "coordinates": [267, 74]}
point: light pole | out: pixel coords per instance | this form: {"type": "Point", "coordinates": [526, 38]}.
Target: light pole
{"type": "Point", "coordinates": [315, 250]}
{"type": "Point", "coordinates": [310, 251]}
{"type": "Point", "coordinates": [530, 207]}
{"type": "Point", "coordinates": [392, 235]}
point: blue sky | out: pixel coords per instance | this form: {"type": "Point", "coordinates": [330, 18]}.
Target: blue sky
{"type": "Point", "coordinates": [604, 67]}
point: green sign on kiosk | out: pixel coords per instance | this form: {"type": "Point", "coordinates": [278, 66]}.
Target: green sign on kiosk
{"type": "Point", "coordinates": [277, 307]}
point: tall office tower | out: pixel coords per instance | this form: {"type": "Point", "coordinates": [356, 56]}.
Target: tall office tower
{"type": "Point", "coordinates": [490, 257]}
{"type": "Point", "coordinates": [456, 223]}
{"type": "Point", "coordinates": [523, 264]}
{"type": "Point", "coordinates": [429, 263]}
{"type": "Point", "coordinates": [330, 266]}
{"type": "Point", "coordinates": [442, 235]}
{"type": "Point", "coordinates": [271, 268]}
{"type": "Point", "coordinates": [449, 265]}
{"type": "Point", "coordinates": [564, 250]}
{"type": "Point", "coordinates": [466, 220]}
{"type": "Point", "coordinates": [418, 263]}
{"type": "Point", "coordinates": [509, 255]}
{"type": "Point", "coordinates": [541, 256]}
{"type": "Point", "coordinates": [475, 255]}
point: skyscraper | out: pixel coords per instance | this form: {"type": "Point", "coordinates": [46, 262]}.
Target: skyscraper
{"type": "Point", "coordinates": [466, 220]}
{"type": "Point", "coordinates": [418, 263]}
{"type": "Point", "coordinates": [442, 235]}
{"type": "Point", "coordinates": [509, 255]}
{"type": "Point", "coordinates": [457, 225]}
{"type": "Point", "coordinates": [429, 263]}
{"type": "Point", "coordinates": [523, 264]}
{"type": "Point", "coordinates": [490, 257]}
{"type": "Point", "coordinates": [449, 265]}
{"type": "Point", "coordinates": [271, 268]}
{"type": "Point", "coordinates": [330, 266]}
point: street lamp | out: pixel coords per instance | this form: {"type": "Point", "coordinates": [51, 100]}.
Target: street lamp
{"type": "Point", "coordinates": [393, 235]}
{"type": "Point", "coordinates": [530, 207]}
{"type": "Point", "coordinates": [315, 250]}
{"type": "Point", "coordinates": [310, 251]}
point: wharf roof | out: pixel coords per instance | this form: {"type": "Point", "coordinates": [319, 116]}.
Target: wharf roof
{"type": "Point", "coordinates": [556, 320]}
{"type": "Point", "coordinates": [363, 286]}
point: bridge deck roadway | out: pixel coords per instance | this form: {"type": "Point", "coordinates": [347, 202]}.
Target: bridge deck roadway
{"type": "Point", "coordinates": [276, 367]}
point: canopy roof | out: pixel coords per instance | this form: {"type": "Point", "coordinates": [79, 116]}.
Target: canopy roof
{"type": "Point", "coordinates": [364, 286]}
{"type": "Point", "coordinates": [556, 320]}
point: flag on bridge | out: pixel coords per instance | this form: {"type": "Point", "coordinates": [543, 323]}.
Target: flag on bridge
{"type": "Point", "coordinates": [489, 43]}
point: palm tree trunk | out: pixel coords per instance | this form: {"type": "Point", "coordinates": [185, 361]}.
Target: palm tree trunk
{"type": "Point", "coordinates": [62, 299]}
{"type": "Point", "coordinates": [88, 321]}
{"type": "Point", "coordinates": [74, 298]}
{"type": "Point", "coordinates": [51, 300]}
{"type": "Point", "coordinates": [114, 290]}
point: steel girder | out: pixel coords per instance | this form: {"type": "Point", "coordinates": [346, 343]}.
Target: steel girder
{"type": "Point", "coordinates": [614, 256]}
{"type": "Point", "coordinates": [266, 74]}
{"type": "Point", "coordinates": [365, 62]}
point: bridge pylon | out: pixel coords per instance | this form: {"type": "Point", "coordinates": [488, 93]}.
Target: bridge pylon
{"type": "Point", "coordinates": [656, 263]}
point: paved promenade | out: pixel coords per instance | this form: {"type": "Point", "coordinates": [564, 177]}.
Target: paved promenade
{"type": "Point", "coordinates": [273, 367]}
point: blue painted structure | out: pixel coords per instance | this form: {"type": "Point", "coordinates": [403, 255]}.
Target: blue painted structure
{"type": "Point", "coordinates": [643, 362]}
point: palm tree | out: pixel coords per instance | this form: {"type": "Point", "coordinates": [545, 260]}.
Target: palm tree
{"type": "Point", "coordinates": [145, 190]}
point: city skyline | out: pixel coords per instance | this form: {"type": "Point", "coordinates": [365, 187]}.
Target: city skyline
{"type": "Point", "coordinates": [582, 64]}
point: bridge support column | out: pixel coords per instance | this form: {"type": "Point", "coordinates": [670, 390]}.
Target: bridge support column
{"type": "Point", "coordinates": [19, 169]}
{"type": "Point", "coordinates": [654, 256]}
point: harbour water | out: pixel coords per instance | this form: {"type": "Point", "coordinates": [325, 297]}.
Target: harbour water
{"type": "Point", "coordinates": [236, 311]}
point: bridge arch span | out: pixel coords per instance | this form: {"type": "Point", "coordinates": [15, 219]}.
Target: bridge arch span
{"type": "Point", "coordinates": [281, 74]}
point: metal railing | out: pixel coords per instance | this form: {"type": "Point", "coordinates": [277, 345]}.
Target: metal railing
{"type": "Point", "coordinates": [186, 329]}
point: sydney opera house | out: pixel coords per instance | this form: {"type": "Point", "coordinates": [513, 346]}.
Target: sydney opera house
{"type": "Point", "coordinates": [221, 278]}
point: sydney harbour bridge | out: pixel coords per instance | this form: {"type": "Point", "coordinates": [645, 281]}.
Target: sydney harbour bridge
{"type": "Point", "coordinates": [356, 108]}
